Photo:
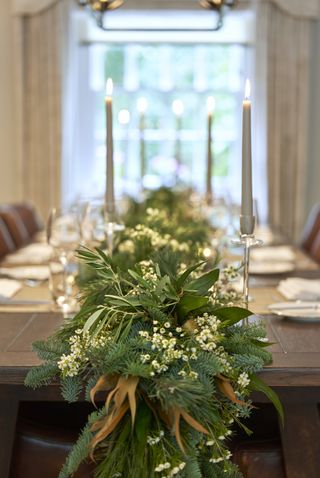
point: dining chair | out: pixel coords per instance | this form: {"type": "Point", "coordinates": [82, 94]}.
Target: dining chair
{"type": "Point", "coordinates": [315, 248]}
{"type": "Point", "coordinates": [15, 225]}
{"type": "Point", "coordinates": [311, 231]}
{"type": "Point", "coordinates": [30, 217]}
{"type": "Point", "coordinates": [6, 242]}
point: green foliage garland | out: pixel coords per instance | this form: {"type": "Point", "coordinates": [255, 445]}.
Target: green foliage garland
{"type": "Point", "coordinates": [169, 355]}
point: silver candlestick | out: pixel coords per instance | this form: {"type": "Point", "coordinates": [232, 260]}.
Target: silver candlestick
{"type": "Point", "coordinates": [247, 241]}
{"type": "Point", "coordinates": [112, 226]}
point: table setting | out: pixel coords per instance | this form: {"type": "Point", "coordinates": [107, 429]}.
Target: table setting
{"type": "Point", "coordinates": [152, 319]}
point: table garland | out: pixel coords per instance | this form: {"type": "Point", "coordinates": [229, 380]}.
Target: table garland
{"type": "Point", "coordinates": [160, 349]}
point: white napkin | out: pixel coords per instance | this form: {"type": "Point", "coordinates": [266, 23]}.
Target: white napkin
{"type": "Point", "coordinates": [296, 288]}
{"type": "Point", "coordinates": [273, 254]}
{"type": "Point", "coordinates": [22, 273]}
{"type": "Point", "coordinates": [9, 287]}
{"type": "Point", "coordinates": [32, 254]}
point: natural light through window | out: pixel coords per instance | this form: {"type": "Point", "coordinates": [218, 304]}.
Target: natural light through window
{"type": "Point", "coordinates": [150, 80]}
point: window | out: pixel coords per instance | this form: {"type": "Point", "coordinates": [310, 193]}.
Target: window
{"type": "Point", "coordinates": [161, 72]}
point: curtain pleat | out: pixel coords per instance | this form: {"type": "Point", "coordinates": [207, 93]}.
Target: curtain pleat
{"type": "Point", "coordinates": [287, 78]}
{"type": "Point", "coordinates": [42, 109]}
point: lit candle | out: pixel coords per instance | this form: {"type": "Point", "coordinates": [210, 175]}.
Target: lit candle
{"type": "Point", "coordinates": [110, 205]}
{"type": "Point", "coordinates": [178, 109]}
{"type": "Point", "coordinates": [124, 119]}
{"type": "Point", "coordinates": [210, 110]}
{"type": "Point", "coordinates": [247, 220]}
{"type": "Point", "coordinates": [142, 105]}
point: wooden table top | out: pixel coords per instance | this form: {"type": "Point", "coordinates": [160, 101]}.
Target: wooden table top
{"type": "Point", "coordinates": [295, 349]}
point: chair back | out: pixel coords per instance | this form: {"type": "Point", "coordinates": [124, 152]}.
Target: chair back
{"type": "Point", "coordinates": [6, 242]}
{"type": "Point", "coordinates": [15, 226]}
{"type": "Point", "coordinates": [311, 230]}
{"type": "Point", "coordinates": [29, 217]}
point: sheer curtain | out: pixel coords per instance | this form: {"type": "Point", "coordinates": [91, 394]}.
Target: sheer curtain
{"type": "Point", "coordinates": [282, 71]}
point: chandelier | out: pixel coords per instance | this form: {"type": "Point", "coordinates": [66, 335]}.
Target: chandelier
{"type": "Point", "coordinates": [99, 8]}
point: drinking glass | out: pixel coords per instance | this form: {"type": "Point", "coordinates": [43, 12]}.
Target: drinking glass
{"type": "Point", "coordinates": [63, 234]}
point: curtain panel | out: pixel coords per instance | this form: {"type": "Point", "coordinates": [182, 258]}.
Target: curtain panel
{"type": "Point", "coordinates": [41, 108]}
{"type": "Point", "coordinates": [283, 64]}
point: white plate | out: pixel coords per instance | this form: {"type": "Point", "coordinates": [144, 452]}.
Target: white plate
{"type": "Point", "coordinates": [271, 267]}
{"type": "Point", "coordinates": [304, 311]}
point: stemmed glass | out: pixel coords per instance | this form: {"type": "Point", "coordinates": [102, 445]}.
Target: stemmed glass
{"type": "Point", "coordinates": [63, 234]}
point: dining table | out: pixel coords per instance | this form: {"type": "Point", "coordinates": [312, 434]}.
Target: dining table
{"type": "Point", "coordinates": [294, 373]}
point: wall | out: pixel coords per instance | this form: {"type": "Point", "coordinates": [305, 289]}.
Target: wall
{"type": "Point", "coordinates": [313, 172]}
{"type": "Point", "coordinates": [10, 169]}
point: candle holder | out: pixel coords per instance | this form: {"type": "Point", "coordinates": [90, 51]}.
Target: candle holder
{"type": "Point", "coordinates": [111, 226]}
{"type": "Point", "coordinates": [247, 241]}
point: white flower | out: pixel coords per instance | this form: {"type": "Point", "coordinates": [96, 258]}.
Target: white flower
{"type": "Point", "coordinates": [243, 380]}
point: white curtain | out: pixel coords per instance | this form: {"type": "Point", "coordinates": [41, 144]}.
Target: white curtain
{"type": "Point", "coordinates": [282, 70]}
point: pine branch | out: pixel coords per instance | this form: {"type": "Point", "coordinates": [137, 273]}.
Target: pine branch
{"type": "Point", "coordinates": [49, 350]}
{"type": "Point", "coordinates": [80, 450]}
{"type": "Point", "coordinates": [41, 375]}
{"type": "Point", "coordinates": [71, 388]}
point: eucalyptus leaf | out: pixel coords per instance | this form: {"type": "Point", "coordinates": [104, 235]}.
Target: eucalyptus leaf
{"type": "Point", "coordinates": [92, 319]}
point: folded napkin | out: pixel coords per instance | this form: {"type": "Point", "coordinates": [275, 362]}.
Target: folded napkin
{"type": "Point", "coordinates": [296, 288]}
{"type": "Point", "coordinates": [22, 273]}
{"type": "Point", "coordinates": [273, 254]}
{"type": "Point", "coordinates": [32, 254]}
{"type": "Point", "coordinates": [265, 233]}
{"type": "Point", "coordinates": [9, 287]}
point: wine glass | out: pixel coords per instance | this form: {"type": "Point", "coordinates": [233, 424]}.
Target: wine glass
{"type": "Point", "coordinates": [63, 234]}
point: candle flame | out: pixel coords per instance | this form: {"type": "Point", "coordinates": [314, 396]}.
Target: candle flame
{"type": "Point", "coordinates": [124, 117]}
{"type": "Point", "coordinates": [211, 103]}
{"type": "Point", "coordinates": [142, 104]}
{"type": "Point", "coordinates": [178, 107]}
{"type": "Point", "coordinates": [109, 87]}
{"type": "Point", "coordinates": [247, 89]}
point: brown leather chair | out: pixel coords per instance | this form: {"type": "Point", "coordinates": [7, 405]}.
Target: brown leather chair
{"type": "Point", "coordinates": [29, 217]}
{"type": "Point", "coordinates": [41, 450]}
{"type": "Point", "coordinates": [6, 243]}
{"type": "Point", "coordinates": [311, 230]}
{"type": "Point", "coordinates": [260, 459]}
{"type": "Point", "coordinates": [15, 225]}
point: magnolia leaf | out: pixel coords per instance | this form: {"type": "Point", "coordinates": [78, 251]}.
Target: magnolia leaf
{"type": "Point", "coordinates": [188, 303]}
{"type": "Point", "coordinates": [257, 384]}
{"type": "Point", "coordinates": [202, 285]}
{"type": "Point", "coordinates": [231, 315]}
{"type": "Point", "coordinates": [92, 319]}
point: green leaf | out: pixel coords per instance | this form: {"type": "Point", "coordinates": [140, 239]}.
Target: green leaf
{"type": "Point", "coordinates": [257, 384]}
{"type": "Point", "coordinates": [188, 303]}
{"type": "Point", "coordinates": [139, 279]}
{"type": "Point", "coordinates": [201, 285]}
{"type": "Point", "coordinates": [185, 275]}
{"type": "Point", "coordinates": [231, 315]}
{"type": "Point", "coordinates": [92, 319]}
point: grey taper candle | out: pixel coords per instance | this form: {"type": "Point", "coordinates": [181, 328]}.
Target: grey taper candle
{"type": "Point", "coordinates": [110, 203]}
{"type": "Point", "coordinates": [247, 220]}
{"type": "Point", "coordinates": [210, 109]}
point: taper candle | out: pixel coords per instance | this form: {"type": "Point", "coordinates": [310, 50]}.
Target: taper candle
{"type": "Point", "coordinates": [142, 105]}
{"type": "Point", "coordinates": [110, 203]}
{"type": "Point", "coordinates": [247, 220]}
{"type": "Point", "coordinates": [178, 109]}
{"type": "Point", "coordinates": [210, 110]}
